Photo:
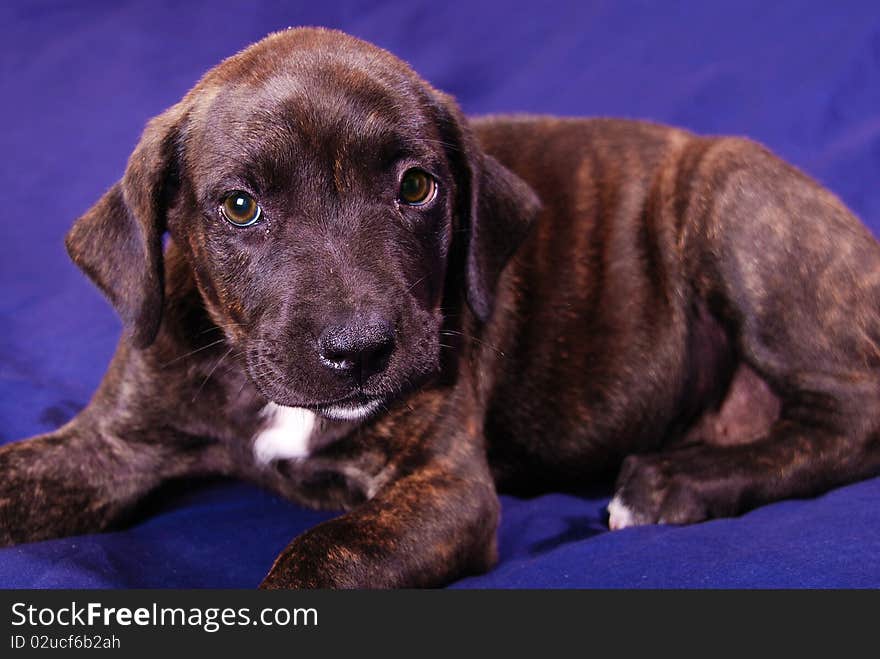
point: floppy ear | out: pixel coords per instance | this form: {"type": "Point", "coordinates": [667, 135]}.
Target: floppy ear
{"type": "Point", "coordinates": [496, 208]}
{"type": "Point", "coordinates": [503, 208]}
{"type": "Point", "coordinates": [118, 242]}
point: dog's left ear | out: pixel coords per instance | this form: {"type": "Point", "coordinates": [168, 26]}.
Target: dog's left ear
{"type": "Point", "coordinates": [118, 242]}
{"type": "Point", "coordinates": [496, 206]}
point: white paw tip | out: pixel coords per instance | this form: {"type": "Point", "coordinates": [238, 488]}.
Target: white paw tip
{"type": "Point", "coordinates": [619, 516]}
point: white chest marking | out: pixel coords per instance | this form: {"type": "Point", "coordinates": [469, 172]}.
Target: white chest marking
{"type": "Point", "coordinates": [286, 435]}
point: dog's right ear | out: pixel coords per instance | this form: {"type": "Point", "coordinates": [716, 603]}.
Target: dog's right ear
{"type": "Point", "coordinates": [118, 242]}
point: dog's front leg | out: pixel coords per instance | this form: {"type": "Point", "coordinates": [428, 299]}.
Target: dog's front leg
{"type": "Point", "coordinates": [62, 483]}
{"type": "Point", "coordinates": [79, 479]}
{"type": "Point", "coordinates": [425, 529]}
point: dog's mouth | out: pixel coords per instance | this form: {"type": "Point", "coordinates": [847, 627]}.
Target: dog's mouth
{"type": "Point", "coordinates": [351, 408]}
{"type": "Point", "coordinates": [329, 394]}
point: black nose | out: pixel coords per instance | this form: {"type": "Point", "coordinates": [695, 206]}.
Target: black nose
{"type": "Point", "coordinates": [359, 348]}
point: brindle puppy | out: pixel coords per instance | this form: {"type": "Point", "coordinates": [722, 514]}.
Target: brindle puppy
{"type": "Point", "coordinates": [369, 302]}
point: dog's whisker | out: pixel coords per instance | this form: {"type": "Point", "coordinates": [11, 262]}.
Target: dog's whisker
{"type": "Point", "coordinates": [210, 373]}
{"type": "Point", "coordinates": [470, 337]}
{"type": "Point", "coordinates": [231, 365]}
{"type": "Point", "coordinates": [411, 386]}
{"type": "Point", "coordinates": [244, 382]}
{"type": "Point", "coordinates": [428, 140]}
{"type": "Point", "coordinates": [416, 283]}
{"type": "Point", "coordinates": [210, 329]}
{"type": "Point", "coordinates": [219, 326]}
{"type": "Point", "coordinates": [193, 352]}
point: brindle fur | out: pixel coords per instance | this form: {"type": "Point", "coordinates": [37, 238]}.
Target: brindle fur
{"type": "Point", "coordinates": [690, 311]}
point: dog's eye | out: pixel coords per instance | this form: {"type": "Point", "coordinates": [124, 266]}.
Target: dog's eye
{"type": "Point", "coordinates": [417, 187]}
{"type": "Point", "coordinates": [240, 209]}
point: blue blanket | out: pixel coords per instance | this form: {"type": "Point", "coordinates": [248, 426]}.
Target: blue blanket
{"type": "Point", "coordinates": [80, 80]}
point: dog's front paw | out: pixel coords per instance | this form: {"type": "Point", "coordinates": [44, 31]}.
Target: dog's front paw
{"type": "Point", "coordinates": [293, 570]}
{"type": "Point", "coordinates": [283, 576]}
{"type": "Point", "coordinates": [654, 489]}
{"type": "Point", "coordinates": [320, 558]}
{"type": "Point", "coordinates": [286, 576]}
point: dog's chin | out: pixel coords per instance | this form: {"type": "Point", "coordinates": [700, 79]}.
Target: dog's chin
{"type": "Point", "coordinates": [350, 411]}
{"type": "Point", "coordinates": [352, 405]}
{"type": "Point", "coordinates": [354, 409]}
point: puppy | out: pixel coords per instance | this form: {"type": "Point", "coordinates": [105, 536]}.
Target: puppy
{"type": "Point", "coordinates": [369, 302]}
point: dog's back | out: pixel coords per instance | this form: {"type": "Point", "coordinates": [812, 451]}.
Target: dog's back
{"type": "Point", "coordinates": [614, 340]}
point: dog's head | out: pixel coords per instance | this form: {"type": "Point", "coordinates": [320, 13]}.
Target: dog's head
{"type": "Point", "coordinates": [318, 188]}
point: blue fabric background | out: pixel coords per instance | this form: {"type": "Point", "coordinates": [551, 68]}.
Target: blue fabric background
{"type": "Point", "coordinates": [80, 79]}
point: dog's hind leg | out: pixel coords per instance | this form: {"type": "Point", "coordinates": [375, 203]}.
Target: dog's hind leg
{"type": "Point", "coordinates": [826, 435]}
{"type": "Point", "coordinates": [698, 482]}
{"type": "Point", "coordinates": [796, 280]}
